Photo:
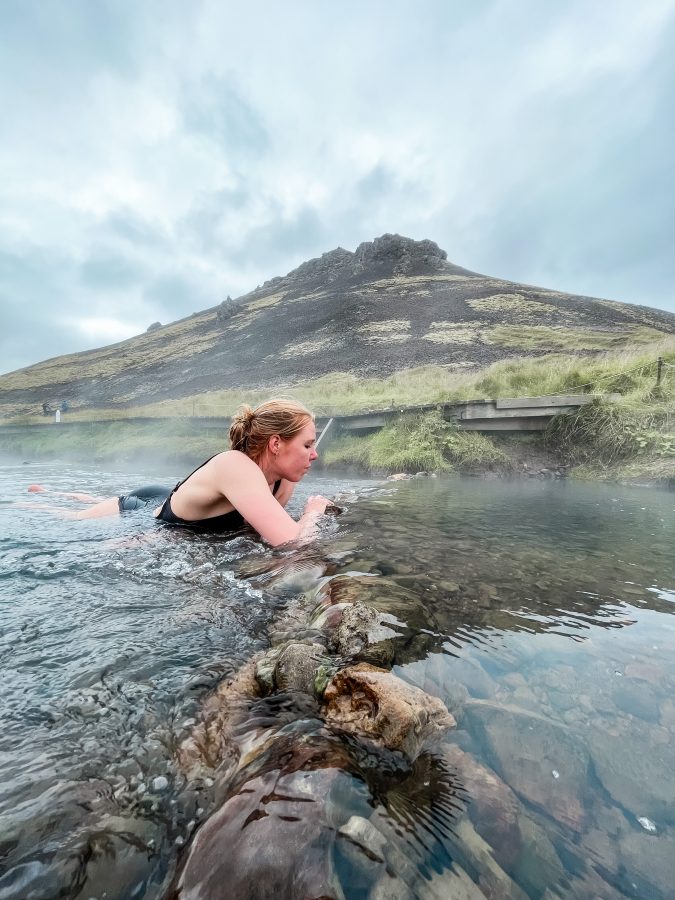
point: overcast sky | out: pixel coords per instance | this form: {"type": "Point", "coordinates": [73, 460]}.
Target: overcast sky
{"type": "Point", "coordinates": [158, 156]}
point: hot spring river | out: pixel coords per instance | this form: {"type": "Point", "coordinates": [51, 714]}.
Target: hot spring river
{"type": "Point", "coordinates": [539, 613]}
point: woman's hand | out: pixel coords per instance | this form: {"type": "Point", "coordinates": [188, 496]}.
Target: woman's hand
{"type": "Point", "coordinates": [316, 505]}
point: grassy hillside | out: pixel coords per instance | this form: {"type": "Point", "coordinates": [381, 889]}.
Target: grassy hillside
{"type": "Point", "coordinates": [342, 392]}
{"type": "Point", "coordinates": [394, 322]}
{"type": "Point", "coordinates": [631, 436]}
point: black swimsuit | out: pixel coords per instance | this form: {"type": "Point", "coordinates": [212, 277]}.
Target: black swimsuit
{"type": "Point", "coordinates": [231, 521]}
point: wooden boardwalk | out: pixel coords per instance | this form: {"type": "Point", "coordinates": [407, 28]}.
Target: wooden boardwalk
{"type": "Point", "coordinates": [518, 414]}
{"type": "Point", "coordinates": [521, 414]}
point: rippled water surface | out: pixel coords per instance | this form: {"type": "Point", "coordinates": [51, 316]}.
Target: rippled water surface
{"type": "Point", "coordinates": [540, 613]}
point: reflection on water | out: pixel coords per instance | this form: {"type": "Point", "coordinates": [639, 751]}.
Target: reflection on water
{"type": "Point", "coordinates": [539, 613]}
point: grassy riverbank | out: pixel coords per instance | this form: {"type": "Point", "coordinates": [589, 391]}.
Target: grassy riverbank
{"type": "Point", "coordinates": [418, 443]}
{"type": "Point", "coordinates": [114, 443]}
{"type": "Point", "coordinates": [341, 393]}
{"type": "Point", "coordinates": [630, 436]}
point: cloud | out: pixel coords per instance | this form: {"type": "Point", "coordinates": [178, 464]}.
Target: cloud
{"type": "Point", "coordinates": [166, 155]}
{"type": "Point", "coordinates": [214, 109]}
{"type": "Point", "coordinates": [101, 331]}
{"type": "Point", "coordinates": [108, 271]}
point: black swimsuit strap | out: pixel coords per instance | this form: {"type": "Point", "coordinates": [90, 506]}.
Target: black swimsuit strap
{"type": "Point", "coordinates": [201, 466]}
{"type": "Point", "coordinates": [195, 470]}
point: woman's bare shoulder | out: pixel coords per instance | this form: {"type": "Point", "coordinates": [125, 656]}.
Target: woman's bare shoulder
{"type": "Point", "coordinates": [232, 458]}
{"type": "Point", "coordinates": [235, 462]}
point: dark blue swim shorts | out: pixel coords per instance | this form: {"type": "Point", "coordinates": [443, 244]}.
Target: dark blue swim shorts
{"type": "Point", "coordinates": [151, 495]}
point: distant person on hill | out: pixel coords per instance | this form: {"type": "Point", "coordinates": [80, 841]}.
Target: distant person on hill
{"type": "Point", "coordinates": [271, 450]}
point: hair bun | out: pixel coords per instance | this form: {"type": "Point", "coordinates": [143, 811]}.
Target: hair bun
{"type": "Point", "coordinates": [247, 416]}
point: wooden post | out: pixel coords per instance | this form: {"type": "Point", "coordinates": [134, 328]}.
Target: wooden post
{"type": "Point", "coordinates": [659, 367]}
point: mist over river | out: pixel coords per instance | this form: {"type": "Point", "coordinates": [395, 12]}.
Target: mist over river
{"type": "Point", "coordinates": [540, 613]}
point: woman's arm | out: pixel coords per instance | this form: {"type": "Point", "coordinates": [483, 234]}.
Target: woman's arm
{"type": "Point", "coordinates": [244, 485]}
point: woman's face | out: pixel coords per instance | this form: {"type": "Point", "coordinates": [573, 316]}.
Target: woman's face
{"type": "Point", "coordinates": [296, 454]}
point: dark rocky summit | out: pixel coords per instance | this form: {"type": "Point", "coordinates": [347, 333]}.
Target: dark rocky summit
{"type": "Point", "coordinates": [392, 304]}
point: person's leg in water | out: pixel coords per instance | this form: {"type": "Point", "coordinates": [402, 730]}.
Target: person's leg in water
{"type": "Point", "coordinates": [101, 508]}
{"type": "Point", "coordinates": [70, 495]}
{"type": "Point", "coordinates": [149, 496]}
{"type": "Point", "coordinates": [109, 507]}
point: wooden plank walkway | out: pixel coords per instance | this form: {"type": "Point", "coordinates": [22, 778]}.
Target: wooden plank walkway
{"type": "Point", "coordinates": [516, 414]}
{"type": "Point", "coordinates": [506, 414]}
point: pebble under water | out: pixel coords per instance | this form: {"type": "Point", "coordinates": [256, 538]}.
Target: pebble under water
{"type": "Point", "coordinates": [538, 612]}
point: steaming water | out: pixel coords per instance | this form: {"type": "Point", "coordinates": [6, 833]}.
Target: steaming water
{"type": "Point", "coordinates": [539, 612]}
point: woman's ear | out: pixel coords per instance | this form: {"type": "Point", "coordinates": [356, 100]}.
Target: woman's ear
{"type": "Point", "coordinates": [274, 443]}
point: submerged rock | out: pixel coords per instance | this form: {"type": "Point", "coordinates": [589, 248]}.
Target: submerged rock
{"type": "Point", "coordinates": [637, 698]}
{"type": "Point", "coordinates": [212, 742]}
{"type": "Point", "coordinates": [384, 595]}
{"type": "Point", "coordinates": [434, 675]}
{"type": "Point", "coordinates": [492, 806]}
{"type": "Point", "coordinates": [363, 634]}
{"type": "Point", "coordinates": [271, 839]}
{"type": "Point", "coordinates": [377, 704]}
{"type": "Point", "coordinates": [364, 834]}
{"type": "Point", "coordinates": [538, 867]}
{"type": "Point", "coordinates": [473, 676]}
{"type": "Point", "coordinates": [450, 883]}
{"type": "Point", "coordinates": [476, 854]}
{"type": "Point", "coordinates": [526, 750]}
{"type": "Point", "coordinates": [649, 862]}
{"type": "Point", "coordinates": [294, 667]}
{"type": "Point", "coordinates": [636, 766]}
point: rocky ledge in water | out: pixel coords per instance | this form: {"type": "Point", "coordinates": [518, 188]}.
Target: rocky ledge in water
{"type": "Point", "coordinates": [287, 796]}
{"type": "Point", "coordinates": [279, 824]}
{"type": "Point", "coordinates": [548, 810]}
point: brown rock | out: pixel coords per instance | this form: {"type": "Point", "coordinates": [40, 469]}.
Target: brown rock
{"type": "Point", "coordinates": [492, 806]}
{"type": "Point", "coordinates": [383, 594]}
{"type": "Point", "coordinates": [297, 666]}
{"type": "Point", "coordinates": [271, 839]}
{"type": "Point", "coordinates": [363, 634]}
{"type": "Point", "coordinates": [649, 862]}
{"type": "Point", "coordinates": [211, 742]}
{"type": "Point", "coordinates": [543, 762]}
{"type": "Point", "coordinates": [377, 704]}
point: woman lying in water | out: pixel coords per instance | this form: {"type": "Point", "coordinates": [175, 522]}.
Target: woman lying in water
{"type": "Point", "coordinates": [271, 450]}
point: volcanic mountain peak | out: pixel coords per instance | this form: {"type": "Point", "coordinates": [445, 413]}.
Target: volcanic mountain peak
{"type": "Point", "coordinates": [390, 254]}
{"type": "Point", "coordinates": [392, 304]}
{"type": "Point", "coordinates": [399, 253]}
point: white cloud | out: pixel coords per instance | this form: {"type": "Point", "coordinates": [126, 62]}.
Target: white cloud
{"type": "Point", "coordinates": [165, 155]}
{"type": "Point", "coordinates": [103, 331]}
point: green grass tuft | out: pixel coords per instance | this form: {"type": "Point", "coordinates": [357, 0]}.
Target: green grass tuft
{"type": "Point", "coordinates": [422, 443]}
